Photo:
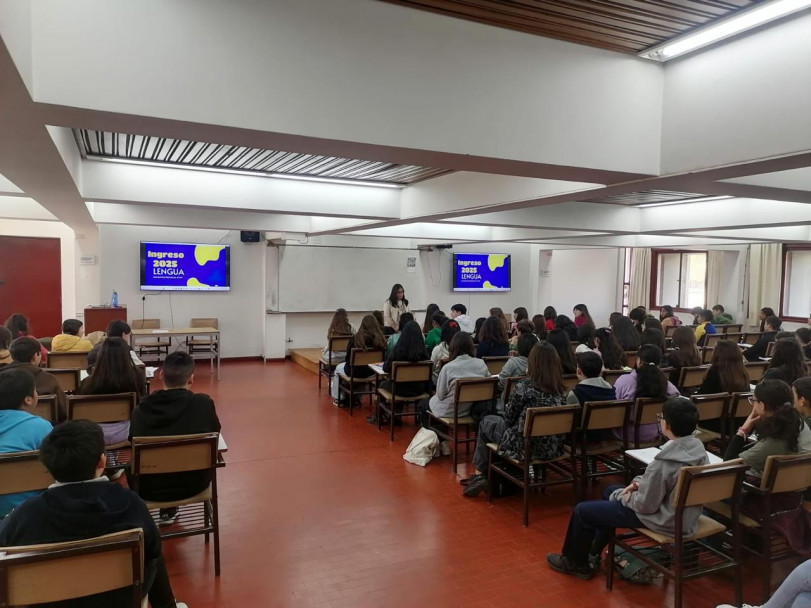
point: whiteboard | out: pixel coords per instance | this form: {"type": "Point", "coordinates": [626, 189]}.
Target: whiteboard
{"type": "Point", "coordinates": [323, 278]}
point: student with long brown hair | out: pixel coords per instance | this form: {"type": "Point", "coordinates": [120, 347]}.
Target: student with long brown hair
{"type": "Point", "coordinates": [499, 314]}
{"type": "Point", "coordinates": [582, 315]}
{"type": "Point", "coordinates": [686, 353]}
{"type": "Point", "coordinates": [606, 344]}
{"type": "Point", "coordinates": [542, 388]}
{"type": "Point", "coordinates": [787, 362]}
{"type": "Point", "coordinates": [727, 373]}
{"type": "Point", "coordinates": [493, 340]}
{"type": "Point", "coordinates": [559, 340]}
{"type": "Point", "coordinates": [339, 326]}
{"type": "Point", "coordinates": [519, 314]}
{"type": "Point", "coordinates": [626, 333]}
{"type": "Point", "coordinates": [368, 337]}
{"type": "Point", "coordinates": [667, 317]}
{"type": "Point", "coordinates": [427, 324]}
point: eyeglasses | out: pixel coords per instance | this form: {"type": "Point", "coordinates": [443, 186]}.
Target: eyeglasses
{"type": "Point", "coordinates": [752, 400]}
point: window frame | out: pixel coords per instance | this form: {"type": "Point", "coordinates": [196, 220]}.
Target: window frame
{"type": "Point", "coordinates": [787, 248]}
{"type": "Point", "coordinates": [654, 275]}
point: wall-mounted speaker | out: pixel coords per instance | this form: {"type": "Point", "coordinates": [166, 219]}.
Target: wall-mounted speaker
{"type": "Point", "coordinates": [249, 236]}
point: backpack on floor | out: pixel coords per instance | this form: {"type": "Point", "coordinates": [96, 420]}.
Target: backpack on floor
{"type": "Point", "coordinates": [634, 570]}
{"type": "Point", "coordinates": [422, 448]}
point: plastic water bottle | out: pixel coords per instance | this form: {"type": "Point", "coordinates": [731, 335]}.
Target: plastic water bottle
{"type": "Point", "coordinates": [114, 300]}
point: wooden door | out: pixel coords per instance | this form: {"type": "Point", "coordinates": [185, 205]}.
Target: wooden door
{"type": "Point", "coordinates": [31, 282]}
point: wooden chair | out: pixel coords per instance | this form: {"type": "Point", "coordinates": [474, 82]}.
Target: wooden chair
{"type": "Point", "coordinates": [198, 514]}
{"type": "Point", "coordinates": [495, 364]}
{"type": "Point", "coordinates": [54, 572]}
{"type": "Point", "coordinates": [102, 409]}
{"type": "Point", "coordinates": [669, 330]}
{"type": "Point", "coordinates": [23, 472]}
{"type": "Point", "coordinates": [706, 355]}
{"type": "Point", "coordinates": [538, 422]}
{"type": "Point", "coordinates": [770, 348]}
{"type": "Point", "coordinates": [756, 369]}
{"type": "Point", "coordinates": [646, 411]}
{"type": "Point", "coordinates": [732, 328]}
{"type": "Point", "coordinates": [712, 407]}
{"type": "Point", "coordinates": [739, 410]}
{"type": "Point", "coordinates": [736, 336]}
{"type": "Point", "coordinates": [692, 377]}
{"type": "Point", "coordinates": [150, 345]}
{"type": "Point", "coordinates": [689, 557]}
{"type": "Point", "coordinates": [712, 339]}
{"type": "Point", "coordinates": [782, 474]}
{"type": "Point", "coordinates": [203, 344]}
{"type": "Point", "coordinates": [466, 390]}
{"type": "Point", "coordinates": [611, 375]}
{"type": "Point", "coordinates": [359, 386]}
{"type": "Point", "coordinates": [389, 401]}
{"type": "Point", "coordinates": [47, 408]}
{"type": "Point", "coordinates": [629, 358]}
{"type": "Point", "coordinates": [335, 344]}
{"type": "Point", "coordinates": [75, 361]}
{"type": "Point", "coordinates": [509, 385]}
{"type": "Point", "coordinates": [68, 379]}
{"type": "Point", "coordinates": [610, 453]}
{"type": "Point", "coordinates": [570, 381]}
{"type": "Point", "coordinates": [751, 338]}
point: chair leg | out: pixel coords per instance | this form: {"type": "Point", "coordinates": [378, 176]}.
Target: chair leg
{"type": "Point", "coordinates": [320, 375]}
{"type": "Point", "coordinates": [351, 396]}
{"type": "Point", "coordinates": [609, 563]}
{"type": "Point", "coordinates": [206, 519]}
{"type": "Point", "coordinates": [215, 514]}
{"type": "Point", "coordinates": [526, 494]}
{"type": "Point", "coordinates": [455, 448]}
{"type": "Point", "coordinates": [391, 421]}
{"type": "Point", "coordinates": [678, 582]}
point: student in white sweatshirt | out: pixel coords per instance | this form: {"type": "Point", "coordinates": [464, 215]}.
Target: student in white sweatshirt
{"type": "Point", "coordinates": [459, 314]}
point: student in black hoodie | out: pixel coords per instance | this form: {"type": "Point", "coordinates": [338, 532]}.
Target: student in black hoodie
{"type": "Point", "coordinates": [592, 387]}
{"type": "Point", "coordinates": [84, 504]}
{"type": "Point", "coordinates": [770, 328]}
{"type": "Point", "coordinates": [174, 411]}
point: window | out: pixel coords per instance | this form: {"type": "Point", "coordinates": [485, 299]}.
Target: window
{"type": "Point", "coordinates": [678, 278]}
{"type": "Point", "coordinates": [626, 283]}
{"type": "Point", "coordinates": [795, 301]}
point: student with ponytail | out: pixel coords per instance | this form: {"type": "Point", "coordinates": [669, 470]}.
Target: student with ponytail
{"type": "Point", "coordinates": [606, 344]}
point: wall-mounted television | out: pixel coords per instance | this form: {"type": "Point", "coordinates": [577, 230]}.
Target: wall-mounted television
{"type": "Point", "coordinates": [481, 272]}
{"type": "Point", "coordinates": [185, 267]}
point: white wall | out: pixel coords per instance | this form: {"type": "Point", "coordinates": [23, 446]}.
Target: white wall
{"type": "Point", "coordinates": [240, 311]}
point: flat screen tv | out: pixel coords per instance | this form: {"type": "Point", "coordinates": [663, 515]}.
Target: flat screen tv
{"type": "Point", "coordinates": [481, 272]}
{"type": "Point", "coordinates": [185, 267]}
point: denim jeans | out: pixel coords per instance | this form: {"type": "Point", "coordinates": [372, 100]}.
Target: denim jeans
{"type": "Point", "coordinates": [491, 430]}
{"type": "Point", "coordinates": [795, 592]}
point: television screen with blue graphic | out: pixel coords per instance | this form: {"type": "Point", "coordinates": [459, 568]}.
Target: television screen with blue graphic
{"type": "Point", "coordinates": [481, 272]}
{"type": "Point", "coordinates": [185, 267]}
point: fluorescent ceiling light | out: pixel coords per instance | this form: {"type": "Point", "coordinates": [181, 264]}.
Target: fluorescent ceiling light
{"type": "Point", "coordinates": [684, 201]}
{"type": "Point", "coordinates": [304, 178]}
{"type": "Point", "coordinates": [725, 28]}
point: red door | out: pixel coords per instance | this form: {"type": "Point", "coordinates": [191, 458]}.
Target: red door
{"type": "Point", "coordinates": [31, 282]}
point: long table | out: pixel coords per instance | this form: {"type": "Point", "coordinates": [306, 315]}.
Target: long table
{"type": "Point", "coordinates": [183, 332]}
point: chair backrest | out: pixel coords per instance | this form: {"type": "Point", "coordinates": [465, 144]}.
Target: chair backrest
{"type": "Point", "coordinates": [786, 473]}
{"type": "Point", "coordinates": [606, 414]}
{"type": "Point", "coordinates": [712, 407]}
{"type": "Point", "coordinates": [23, 472]}
{"type": "Point", "coordinates": [734, 336]}
{"type": "Point", "coordinates": [740, 406]}
{"type": "Point", "coordinates": [68, 379]}
{"type": "Point", "coordinates": [706, 355]}
{"type": "Point", "coordinates": [146, 324]}
{"type": "Point", "coordinates": [756, 369]}
{"type": "Point", "coordinates": [495, 364]}
{"type": "Point", "coordinates": [469, 390]}
{"type": "Point", "coordinates": [205, 322]}
{"type": "Point", "coordinates": [404, 371]}
{"type": "Point", "coordinates": [732, 328]}
{"type": "Point", "coordinates": [174, 454]}
{"type": "Point", "coordinates": [47, 408]}
{"type": "Point", "coordinates": [669, 330]}
{"type": "Point", "coordinates": [509, 385]}
{"type": "Point", "coordinates": [570, 381]}
{"type": "Point", "coordinates": [712, 339]}
{"type": "Point", "coordinates": [68, 360]}
{"type": "Point", "coordinates": [611, 375]}
{"type": "Point", "coordinates": [629, 358]}
{"type": "Point", "coordinates": [647, 409]}
{"type": "Point", "coordinates": [72, 570]}
{"type": "Point", "coordinates": [709, 483]}
{"type": "Point", "coordinates": [365, 357]}
{"type": "Point", "coordinates": [338, 344]}
{"type": "Point", "coordinates": [690, 377]}
{"type": "Point", "coordinates": [543, 421]}
{"type": "Point", "coordinates": [770, 349]}
{"type": "Point", "coordinates": [751, 337]}
{"type": "Point", "coordinates": [101, 408]}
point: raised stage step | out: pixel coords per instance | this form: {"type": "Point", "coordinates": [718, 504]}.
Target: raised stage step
{"type": "Point", "coordinates": [306, 358]}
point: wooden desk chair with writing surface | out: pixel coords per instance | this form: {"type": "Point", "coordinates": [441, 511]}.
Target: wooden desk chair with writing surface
{"type": "Point", "coordinates": [60, 360]}
{"type": "Point", "coordinates": [151, 345]}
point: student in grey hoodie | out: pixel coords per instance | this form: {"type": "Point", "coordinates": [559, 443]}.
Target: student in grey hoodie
{"type": "Point", "coordinates": [647, 502]}
{"type": "Point", "coordinates": [461, 364]}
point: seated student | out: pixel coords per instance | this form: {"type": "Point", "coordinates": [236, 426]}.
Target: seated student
{"type": "Point", "coordinates": [20, 430]}
{"type": "Point", "coordinates": [176, 410]}
{"type": "Point", "coordinates": [430, 311]}
{"type": "Point", "coordinates": [802, 398]}
{"type": "Point", "coordinates": [459, 314]}
{"type": "Point", "coordinates": [582, 315]}
{"type": "Point", "coordinates": [71, 339]}
{"type": "Point", "coordinates": [646, 502]}
{"type": "Point", "coordinates": [787, 362]}
{"type": "Point", "coordinates": [368, 337]}
{"type": "Point", "coordinates": [519, 314]}
{"type": "Point", "coordinates": [113, 373]}
{"type": "Point", "coordinates": [685, 353]}
{"type": "Point", "coordinates": [461, 364]}
{"type": "Point", "coordinates": [539, 323]}
{"type": "Point", "coordinates": [626, 334]}
{"type": "Point", "coordinates": [592, 386]}
{"type": "Point", "coordinates": [17, 324]}
{"type": "Point", "coordinates": [378, 315]}
{"type": "Point", "coordinates": [559, 339]}
{"type": "Point", "coordinates": [793, 592]}
{"type": "Point", "coordinates": [585, 339]}
{"type": "Point", "coordinates": [493, 340]}
{"type": "Point", "coordinates": [565, 323]}
{"type": "Point", "coordinates": [647, 380]}
{"type": "Point", "coordinates": [83, 504]}
{"type": "Point", "coordinates": [771, 325]}
{"type": "Point", "coordinates": [115, 329]}
{"type": "Point", "coordinates": [609, 350]}
{"type": "Point", "coordinates": [442, 350]}
{"type": "Point", "coordinates": [522, 327]}
{"type": "Point", "coordinates": [5, 342]}
{"type": "Point", "coordinates": [478, 329]}
{"type": "Point", "coordinates": [549, 315]}
{"type": "Point", "coordinates": [764, 314]}
{"type": "Point", "coordinates": [696, 312]}
{"type": "Point", "coordinates": [727, 373]}
{"type": "Point", "coordinates": [543, 387]}
{"type": "Point", "coordinates": [339, 326]}
{"type": "Point", "coordinates": [517, 365]}
{"type": "Point", "coordinates": [667, 317]}
{"type": "Point", "coordinates": [499, 314]}
{"type": "Point", "coordinates": [637, 317]}
{"type": "Point", "coordinates": [410, 348]}
{"type": "Point", "coordinates": [405, 319]}
{"type": "Point", "coordinates": [719, 317]}
{"type": "Point", "coordinates": [434, 336]}
{"type": "Point", "coordinates": [654, 337]}
{"type": "Point", "coordinates": [704, 327]}
{"type": "Point", "coordinates": [803, 337]}
{"type": "Point", "coordinates": [653, 323]}
{"type": "Point", "coordinates": [27, 355]}
{"type": "Point", "coordinates": [780, 428]}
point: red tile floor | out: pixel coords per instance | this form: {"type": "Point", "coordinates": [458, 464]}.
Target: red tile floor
{"type": "Point", "coordinates": [320, 510]}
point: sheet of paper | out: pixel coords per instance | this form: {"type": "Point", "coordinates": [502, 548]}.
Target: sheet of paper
{"type": "Point", "coordinates": [150, 371]}
{"type": "Point", "coordinates": [647, 455]}
{"type": "Point", "coordinates": [377, 368]}
{"type": "Point", "coordinates": [160, 331]}
{"type": "Point", "coordinates": [83, 374]}
{"type": "Point", "coordinates": [221, 445]}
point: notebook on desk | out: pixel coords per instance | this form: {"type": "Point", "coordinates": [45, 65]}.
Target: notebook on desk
{"type": "Point", "coordinates": [647, 455]}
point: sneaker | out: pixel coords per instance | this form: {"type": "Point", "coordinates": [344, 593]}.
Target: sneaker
{"type": "Point", "coordinates": [595, 562]}
{"type": "Point", "coordinates": [167, 516]}
{"type": "Point", "coordinates": [742, 606]}
{"type": "Point", "coordinates": [475, 487]}
{"type": "Point", "coordinates": [562, 564]}
{"type": "Point", "coordinates": [181, 605]}
{"type": "Point", "coordinates": [444, 448]}
{"type": "Point", "coordinates": [468, 480]}
{"type": "Point", "coordinates": [372, 419]}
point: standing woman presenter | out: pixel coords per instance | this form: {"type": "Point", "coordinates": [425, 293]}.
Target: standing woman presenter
{"type": "Point", "coordinates": [394, 307]}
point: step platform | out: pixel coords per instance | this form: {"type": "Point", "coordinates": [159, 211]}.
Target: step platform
{"type": "Point", "coordinates": [307, 358]}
